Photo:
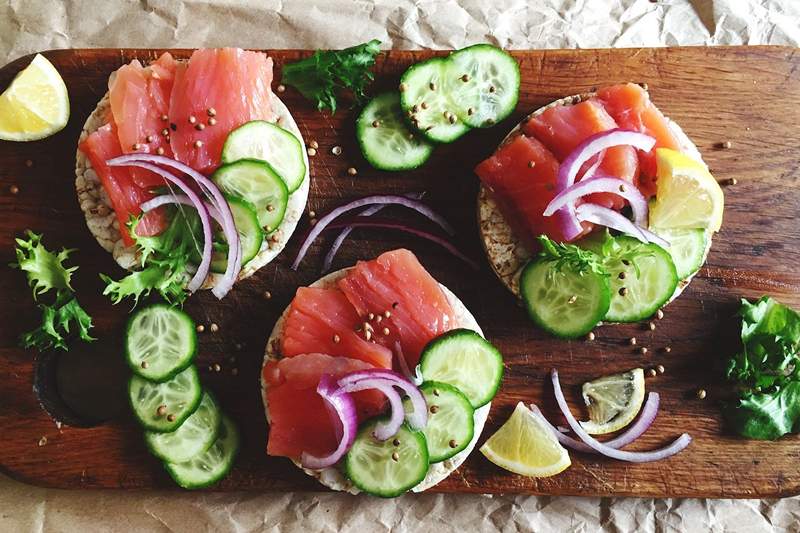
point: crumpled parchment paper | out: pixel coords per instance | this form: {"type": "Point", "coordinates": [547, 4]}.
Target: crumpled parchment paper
{"type": "Point", "coordinates": [34, 25]}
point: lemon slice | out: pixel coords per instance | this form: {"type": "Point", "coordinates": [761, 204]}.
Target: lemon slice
{"type": "Point", "coordinates": [688, 196]}
{"type": "Point", "coordinates": [613, 401]}
{"type": "Point", "coordinates": [35, 105]}
{"type": "Point", "coordinates": [525, 445]}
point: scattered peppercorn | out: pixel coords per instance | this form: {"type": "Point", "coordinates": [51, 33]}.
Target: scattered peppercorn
{"type": "Point", "coordinates": [214, 327]}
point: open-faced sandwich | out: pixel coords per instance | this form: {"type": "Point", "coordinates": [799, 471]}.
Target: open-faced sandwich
{"type": "Point", "coordinates": [182, 162]}
{"type": "Point", "coordinates": [340, 400]}
{"type": "Point", "coordinates": [596, 208]}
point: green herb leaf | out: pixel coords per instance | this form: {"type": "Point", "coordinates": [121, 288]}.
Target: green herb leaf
{"type": "Point", "coordinates": [165, 258]}
{"type": "Point", "coordinates": [766, 371]}
{"type": "Point", "coordinates": [570, 256]}
{"type": "Point", "coordinates": [323, 75]}
{"type": "Point", "coordinates": [767, 415]}
{"type": "Point", "coordinates": [45, 270]}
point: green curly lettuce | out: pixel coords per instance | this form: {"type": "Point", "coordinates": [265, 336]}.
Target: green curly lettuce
{"type": "Point", "coordinates": [321, 76]}
{"type": "Point", "coordinates": [766, 371]}
{"type": "Point", "coordinates": [164, 259]}
{"type": "Point", "coordinates": [46, 272]}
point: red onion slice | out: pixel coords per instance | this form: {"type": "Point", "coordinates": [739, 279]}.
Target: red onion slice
{"type": "Point", "coordinates": [182, 199]}
{"type": "Point", "coordinates": [569, 168]}
{"type": "Point", "coordinates": [414, 377]}
{"type": "Point", "coordinates": [387, 199]}
{"type": "Point", "coordinates": [337, 243]}
{"type": "Point", "coordinates": [590, 172]}
{"type": "Point", "coordinates": [389, 428]}
{"type": "Point", "coordinates": [417, 419]}
{"type": "Point", "coordinates": [643, 422]}
{"type": "Point", "coordinates": [234, 265]}
{"type": "Point", "coordinates": [205, 262]}
{"type": "Point", "coordinates": [608, 218]}
{"type": "Point", "coordinates": [366, 222]}
{"type": "Point", "coordinates": [602, 184]}
{"type": "Point", "coordinates": [345, 409]}
{"type": "Point", "coordinates": [634, 457]}
{"type": "Point", "coordinates": [652, 237]}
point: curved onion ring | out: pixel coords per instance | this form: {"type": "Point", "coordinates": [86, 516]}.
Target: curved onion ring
{"type": "Point", "coordinates": [635, 457]}
{"type": "Point", "coordinates": [234, 264]}
{"type": "Point", "coordinates": [205, 262]}
{"type": "Point", "coordinates": [569, 168]}
{"type": "Point", "coordinates": [608, 217]}
{"type": "Point", "coordinates": [388, 428]}
{"type": "Point", "coordinates": [345, 408]}
{"type": "Point", "coordinates": [646, 417]}
{"type": "Point", "coordinates": [418, 419]}
{"type": "Point", "coordinates": [605, 184]}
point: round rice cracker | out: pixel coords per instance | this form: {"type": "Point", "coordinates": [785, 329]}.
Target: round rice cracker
{"type": "Point", "coordinates": [103, 224]}
{"type": "Point", "coordinates": [506, 253]}
{"type": "Point", "coordinates": [334, 478]}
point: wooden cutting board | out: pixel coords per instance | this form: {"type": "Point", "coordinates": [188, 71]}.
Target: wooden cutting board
{"type": "Point", "coordinates": [745, 95]}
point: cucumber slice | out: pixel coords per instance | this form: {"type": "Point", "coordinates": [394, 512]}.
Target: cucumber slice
{"type": "Point", "coordinates": [192, 438]}
{"type": "Point", "coordinates": [211, 465]}
{"type": "Point", "coordinates": [561, 301]}
{"type": "Point", "coordinates": [262, 140]}
{"type": "Point", "coordinates": [160, 341]}
{"type": "Point", "coordinates": [465, 360]}
{"type": "Point", "coordinates": [258, 183]}
{"type": "Point", "coordinates": [425, 99]}
{"type": "Point", "coordinates": [643, 278]}
{"type": "Point", "coordinates": [387, 468]}
{"type": "Point", "coordinates": [451, 425]}
{"type": "Point", "coordinates": [687, 248]}
{"type": "Point", "coordinates": [162, 407]}
{"type": "Point", "coordinates": [251, 236]}
{"type": "Point", "coordinates": [385, 139]}
{"type": "Point", "coordinates": [484, 82]}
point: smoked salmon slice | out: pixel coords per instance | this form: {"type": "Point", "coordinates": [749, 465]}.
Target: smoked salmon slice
{"type": "Point", "coordinates": [125, 195]}
{"type": "Point", "coordinates": [521, 176]}
{"type": "Point", "coordinates": [139, 105]}
{"type": "Point", "coordinates": [322, 320]}
{"type": "Point", "coordinates": [562, 128]}
{"type": "Point", "coordinates": [630, 106]}
{"type": "Point", "coordinates": [299, 417]}
{"type": "Point", "coordinates": [217, 91]}
{"type": "Point", "coordinates": [411, 305]}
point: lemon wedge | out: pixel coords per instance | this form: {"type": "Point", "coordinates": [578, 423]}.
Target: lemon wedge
{"type": "Point", "coordinates": [613, 401]}
{"type": "Point", "coordinates": [35, 105]}
{"type": "Point", "coordinates": [525, 445]}
{"type": "Point", "coordinates": [688, 196]}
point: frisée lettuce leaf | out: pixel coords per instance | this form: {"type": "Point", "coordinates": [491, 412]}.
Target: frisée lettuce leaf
{"type": "Point", "coordinates": [164, 260]}
{"type": "Point", "coordinates": [326, 73]}
{"type": "Point", "coordinates": [46, 272]}
{"type": "Point", "coordinates": [766, 371]}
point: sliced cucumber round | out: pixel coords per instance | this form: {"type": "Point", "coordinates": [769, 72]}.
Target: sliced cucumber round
{"type": "Point", "coordinates": [192, 438]}
{"type": "Point", "coordinates": [213, 464]}
{"type": "Point", "coordinates": [642, 279]}
{"type": "Point", "coordinates": [687, 248]}
{"type": "Point", "coordinates": [465, 360]}
{"type": "Point", "coordinates": [484, 84]}
{"type": "Point", "coordinates": [425, 99]}
{"type": "Point", "coordinates": [561, 301]}
{"type": "Point", "coordinates": [387, 468]}
{"type": "Point", "coordinates": [258, 183]}
{"type": "Point", "coordinates": [385, 139]}
{"type": "Point", "coordinates": [265, 141]}
{"type": "Point", "coordinates": [251, 236]}
{"type": "Point", "coordinates": [163, 407]}
{"type": "Point", "coordinates": [160, 341]}
{"type": "Point", "coordinates": [451, 422]}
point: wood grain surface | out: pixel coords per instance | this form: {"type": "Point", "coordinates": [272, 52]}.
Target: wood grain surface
{"type": "Point", "coordinates": [745, 95]}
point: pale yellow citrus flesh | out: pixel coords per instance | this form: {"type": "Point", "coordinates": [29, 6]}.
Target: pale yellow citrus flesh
{"type": "Point", "coordinates": [688, 196]}
{"type": "Point", "coordinates": [526, 445]}
{"type": "Point", "coordinates": [35, 105]}
{"type": "Point", "coordinates": [613, 401]}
